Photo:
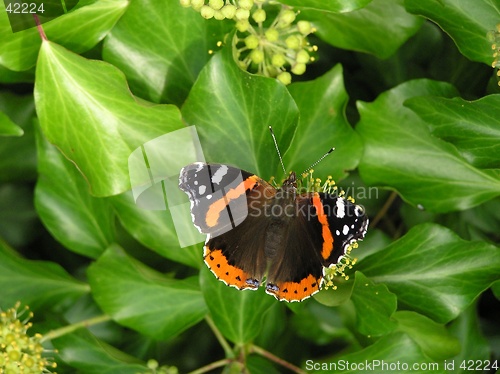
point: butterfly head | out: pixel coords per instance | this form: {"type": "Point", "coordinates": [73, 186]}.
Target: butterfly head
{"type": "Point", "coordinates": [290, 182]}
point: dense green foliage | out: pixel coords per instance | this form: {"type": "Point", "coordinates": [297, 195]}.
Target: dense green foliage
{"type": "Point", "coordinates": [403, 89]}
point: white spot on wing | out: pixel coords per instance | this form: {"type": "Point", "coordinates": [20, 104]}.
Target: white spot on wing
{"type": "Point", "coordinates": [219, 174]}
{"type": "Point", "coordinates": [340, 208]}
{"type": "Point", "coordinates": [199, 166]}
{"type": "Point", "coordinates": [202, 189]}
{"type": "Point", "coordinates": [209, 197]}
{"type": "Point", "coordinates": [345, 230]}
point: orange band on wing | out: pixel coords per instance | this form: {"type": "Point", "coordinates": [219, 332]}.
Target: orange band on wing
{"type": "Point", "coordinates": [326, 233]}
{"type": "Point", "coordinates": [295, 291]}
{"type": "Point", "coordinates": [213, 214]}
{"type": "Point", "coordinates": [229, 274]}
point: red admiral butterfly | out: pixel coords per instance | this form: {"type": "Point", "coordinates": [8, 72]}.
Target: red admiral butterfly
{"type": "Point", "coordinates": [256, 231]}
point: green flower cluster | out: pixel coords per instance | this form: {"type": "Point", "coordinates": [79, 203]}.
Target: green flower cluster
{"type": "Point", "coordinates": [155, 368]}
{"type": "Point", "coordinates": [20, 353]}
{"type": "Point", "coordinates": [263, 46]}
{"type": "Point", "coordinates": [220, 9]}
{"type": "Point", "coordinates": [494, 38]}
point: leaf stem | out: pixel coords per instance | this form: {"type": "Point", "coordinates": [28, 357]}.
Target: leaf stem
{"type": "Point", "coordinates": [222, 341]}
{"type": "Point", "coordinates": [276, 359]}
{"type": "Point", "coordinates": [39, 27]}
{"type": "Point", "coordinates": [212, 366]}
{"type": "Point", "coordinates": [75, 326]}
{"type": "Point", "coordinates": [384, 209]}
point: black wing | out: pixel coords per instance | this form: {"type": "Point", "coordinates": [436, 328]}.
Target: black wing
{"type": "Point", "coordinates": [318, 235]}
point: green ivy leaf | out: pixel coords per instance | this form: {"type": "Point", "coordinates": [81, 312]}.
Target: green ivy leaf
{"type": "Point", "coordinates": [81, 222]}
{"type": "Point", "coordinates": [335, 297]}
{"type": "Point", "coordinates": [85, 352]}
{"type": "Point", "coordinates": [435, 341]}
{"type": "Point", "coordinates": [232, 111]}
{"type": "Point", "coordinates": [320, 324]}
{"type": "Point", "coordinates": [9, 76]}
{"type": "Point", "coordinates": [336, 6]}
{"type": "Point", "coordinates": [496, 289]}
{"type": "Point", "coordinates": [162, 61]}
{"type": "Point", "coordinates": [18, 154]}
{"type": "Point", "coordinates": [86, 110]}
{"type": "Point", "coordinates": [371, 29]}
{"type": "Point", "coordinates": [322, 125]}
{"type": "Point", "coordinates": [140, 298]}
{"type": "Point", "coordinates": [237, 314]}
{"type": "Point", "coordinates": [472, 127]}
{"type": "Point", "coordinates": [79, 30]}
{"type": "Point", "coordinates": [39, 284]}
{"type": "Point", "coordinates": [396, 349]}
{"type": "Point", "coordinates": [433, 271]}
{"type": "Point", "coordinates": [374, 306]}
{"type": "Point", "coordinates": [401, 154]}
{"type": "Point", "coordinates": [155, 230]}
{"type": "Point", "coordinates": [18, 217]}
{"type": "Point", "coordinates": [474, 345]}
{"type": "Point", "coordinates": [375, 241]}
{"type": "Point", "coordinates": [9, 128]}
{"type": "Point", "coordinates": [258, 364]}
{"type": "Point", "coordinates": [466, 22]}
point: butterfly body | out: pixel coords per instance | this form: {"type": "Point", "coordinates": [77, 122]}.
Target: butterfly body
{"type": "Point", "coordinates": [257, 233]}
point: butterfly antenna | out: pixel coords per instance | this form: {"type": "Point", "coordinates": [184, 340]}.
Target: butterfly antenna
{"type": "Point", "coordinates": [317, 162]}
{"type": "Point", "coordinates": [277, 149]}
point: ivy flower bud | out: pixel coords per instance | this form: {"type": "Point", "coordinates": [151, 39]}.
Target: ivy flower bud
{"type": "Point", "coordinates": [259, 15]}
{"type": "Point", "coordinates": [257, 56]}
{"type": "Point", "coordinates": [242, 14]}
{"type": "Point", "coordinates": [299, 69]}
{"type": "Point", "coordinates": [242, 25]}
{"type": "Point", "coordinates": [228, 11]}
{"type": "Point", "coordinates": [215, 4]}
{"type": "Point", "coordinates": [302, 56]}
{"type": "Point", "coordinates": [286, 17]}
{"type": "Point", "coordinates": [285, 78]}
{"type": "Point", "coordinates": [271, 71]}
{"type": "Point", "coordinates": [218, 15]}
{"type": "Point", "coordinates": [251, 41]}
{"type": "Point", "coordinates": [304, 27]}
{"type": "Point", "coordinates": [272, 35]}
{"type": "Point", "coordinates": [246, 4]}
{"type": "Point", "coordinates": [293, 42]}
{"type": "Point", "coordinates": [207, 12]}
{"type": "Point", "coordinates": [185, 3]}
{"type": "Point", "coordinates": [278, 60]}
{"type": "Point", "coordinates": [197, 4]}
